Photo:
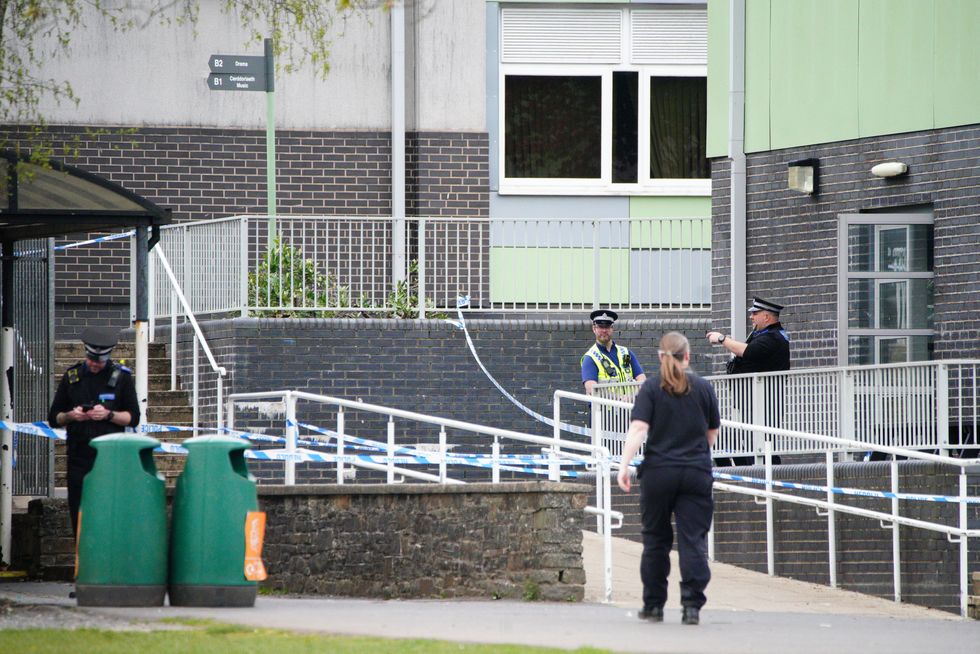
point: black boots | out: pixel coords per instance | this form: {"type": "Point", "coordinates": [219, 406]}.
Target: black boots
{"type": "Point", "coordinates": [692, 615]}
{"type": "Point", "coordinates": [655, 614]}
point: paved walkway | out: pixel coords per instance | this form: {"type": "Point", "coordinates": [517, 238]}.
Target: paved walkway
{"type": "Point", "coordinates": [746, 612]}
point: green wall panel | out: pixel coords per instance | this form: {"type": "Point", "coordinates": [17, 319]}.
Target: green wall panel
{"type": "Point", "coordinates": [757, 75]}
{"type": "Point", "coordinates": [670, 207]}
{"type": "Point", "coordinates": [956, 67]}
{"type": "Point", "coordinates": [671, 234]}
{"type": "Point", "coordinates": [717, 140]}
{"type": "Point", "coordinates": [814, 72]}
{"type": "Point", "coordinates": [557, 275]}
{"type": "Point", "coordinates": [896, 63]}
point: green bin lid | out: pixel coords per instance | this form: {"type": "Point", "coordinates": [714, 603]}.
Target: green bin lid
{"type": "Point", "coordinates": [122, 439]}
{"type": "Point", "coordinates": [227, 443]}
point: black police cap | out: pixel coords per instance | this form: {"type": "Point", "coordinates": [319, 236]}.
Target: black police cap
{"type": "Point", "coordinates": [100, 338]}
{"type": "Point", "coordinates": [604, 317]}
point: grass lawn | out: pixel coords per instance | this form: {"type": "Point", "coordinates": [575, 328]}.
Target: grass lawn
{"type": "Point", "coordinates": [219, 638]}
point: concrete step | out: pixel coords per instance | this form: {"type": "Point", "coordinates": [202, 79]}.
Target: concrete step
{"type": "Point", "coordinates": [171, 415]}
{"type": "Point", "coordinates": [167, 398]}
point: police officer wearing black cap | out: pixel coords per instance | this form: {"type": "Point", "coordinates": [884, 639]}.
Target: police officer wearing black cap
{"type": "Point", "coordinates": [767, 347]}
{"type": "Point", "coordinates": [605, 361]}
{"type": "Point", "coordinates": [765, 350]}
{"type": "Point", "coordinates": [95, 397]}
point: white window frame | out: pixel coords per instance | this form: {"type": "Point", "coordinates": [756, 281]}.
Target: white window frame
{"type": "Point", "coordinates": [844, 276]}
{"type": "Point", "coordinates": [604, 184]}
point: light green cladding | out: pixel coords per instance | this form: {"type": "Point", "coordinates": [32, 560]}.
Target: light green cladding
{"type": "Point", "coordinates": [896, 55]}
{"type": "Point", "coordinates": [669, 233]}
{"type": "Point", "coordinates": [956, 66]}
{"type": "Point", "coordinates": [757, 83]}
{"type": "Point", "coordinates": [558, 275]}
{"type": "Point", "coordinates": [820, 71]}
{"type": "Point", "coordinates": [813, 72]}
{"type": "Point", "coordinates": [717, 139]}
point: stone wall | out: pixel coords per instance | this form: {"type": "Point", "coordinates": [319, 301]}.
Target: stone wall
{"type": "Point", "coordinates": [415, 540]}
{"type": "Point", "coordinates": [515, 540]}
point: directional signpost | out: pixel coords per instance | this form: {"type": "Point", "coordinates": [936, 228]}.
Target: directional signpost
{"type": "Point", "coordinates": [253, 73]}
{"type": "Point", "coordinates": [237, 73]}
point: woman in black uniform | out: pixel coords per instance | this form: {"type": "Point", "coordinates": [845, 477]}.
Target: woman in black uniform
{"type": "Point", "coordinates": [676, 415]}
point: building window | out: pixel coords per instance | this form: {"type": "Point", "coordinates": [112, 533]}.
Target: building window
{"type": "Point", "coordinates": [885, 291]}
{"type": "Point", "coordinates": [603, 101]}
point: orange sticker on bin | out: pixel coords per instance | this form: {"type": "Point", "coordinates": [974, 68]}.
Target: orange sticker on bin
{"type": "Point", "coordinates": [254, 533]}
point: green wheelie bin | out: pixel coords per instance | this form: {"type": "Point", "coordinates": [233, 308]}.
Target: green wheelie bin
{"type": "Point", "coordinates": [122, 526]}
{"type": "Point", "coordinates": [216, 528]}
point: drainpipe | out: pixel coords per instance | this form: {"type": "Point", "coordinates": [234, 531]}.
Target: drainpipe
{"type": "Point", "coordinates": [7, 335]}
{"type": "Point", "coordinates": [736, 152]}
{"type": "Point", "coordinates": [398, 267]}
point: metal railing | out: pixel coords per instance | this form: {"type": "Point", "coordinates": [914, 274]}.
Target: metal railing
{"type": "Point", "coordinates": [957, 534]}
{"type": "Point", "coordinates": [557, 450]}
{"type": "Point", "coordinates": [341, 266]}
{"type": "Point", "coordinates": [176, 297]}
{"type": "Point", "coordinates": [929, 405]}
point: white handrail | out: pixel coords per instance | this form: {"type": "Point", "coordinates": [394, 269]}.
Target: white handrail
{"type": "Point", "coordinates": [199, 335]}
{"type": "Point", "coordinates": [596, 454]}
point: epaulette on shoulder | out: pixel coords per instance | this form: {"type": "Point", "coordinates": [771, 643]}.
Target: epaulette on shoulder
{"type": "Point", "coordinates": [124, 368]}
{"type": "Point", "coordinates": [72, 373]}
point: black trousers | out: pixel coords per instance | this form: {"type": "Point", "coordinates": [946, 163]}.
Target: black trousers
{"type": "Point", "coordinates": [76, 476]}
{"type": "Point", "coordinates": [685, 493]}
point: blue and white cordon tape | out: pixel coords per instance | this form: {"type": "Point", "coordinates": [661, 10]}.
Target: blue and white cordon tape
{"type": "Point", "coordinates": [409, 456]}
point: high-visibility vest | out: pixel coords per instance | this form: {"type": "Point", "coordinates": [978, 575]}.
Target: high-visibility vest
{"type": "Point", "coordinates": [609, 370]}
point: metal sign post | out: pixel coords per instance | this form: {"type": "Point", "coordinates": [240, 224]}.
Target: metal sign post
{"type": "Point", "coordinates": [253, 73]}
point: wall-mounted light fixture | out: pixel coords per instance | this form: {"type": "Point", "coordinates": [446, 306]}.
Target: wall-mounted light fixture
{"type": "Point", "coordinates": [889, 169]}
{"type": "Point", "coordinates": [802, 175]}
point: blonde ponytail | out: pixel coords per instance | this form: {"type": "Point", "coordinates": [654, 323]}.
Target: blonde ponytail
{"type": "Point", "coordinates": [673, 348]}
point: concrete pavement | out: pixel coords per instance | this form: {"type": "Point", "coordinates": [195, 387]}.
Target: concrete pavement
{"type": "Point", "coordinates": [746, 612]}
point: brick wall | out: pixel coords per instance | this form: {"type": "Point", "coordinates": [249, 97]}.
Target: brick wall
{"type": "Point", "coordinates": [792, 238]}
{"type": "Point", "coordinates": [421, 366]}
{"type": "Point", "coordinates": [930, 563]}
{"type": "Point", "coordinates": [211, 173]}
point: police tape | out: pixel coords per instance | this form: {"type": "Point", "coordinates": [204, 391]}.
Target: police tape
{"type": "Point", "coordinates": [400, 455]}
{"type": "Point", "coordinates": [377, 445]}
{"type": "Point", "coordinates": [68, 246]}
{"type": "Point", "coordinates": [859, 492]}
{"type": "Point", "coordinates": [462, 302]}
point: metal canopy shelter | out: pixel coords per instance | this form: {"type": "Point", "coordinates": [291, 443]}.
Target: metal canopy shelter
{"type": "Point", "coordinates": [53, 199]}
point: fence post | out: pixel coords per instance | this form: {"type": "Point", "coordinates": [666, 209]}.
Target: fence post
{"type": "Point", "coordinates": [964, 547]}
{"type": "Point", "coordinates": [831, 521]}
{"type": "Point", "coordinates": [896, 535]}
{"type": "Point", "coordinates": [596, 268]}
{"type": "Point", "coordinates": [291, 429]}
{"type": "Point", "coordinates": [442, 454]}
{"type": "Point", "coordinates": [942, 408]}
{"type": "Point", "coordinates": [758, 413]}
{"type": "Point", "coordinates": [770, 526]}
{"type": "Point", "coordinates": [195, 385]}
{"type": "Point", "coordinates": [391, 450]}
{"type": "Point", "coordinates": [243, 267]}
{"type": "Point", "coordinates": [421, 271]}
{"type": "Point", "coordinates": [845, 395]}
{"type": "Point", "coordinates": [340, 445]}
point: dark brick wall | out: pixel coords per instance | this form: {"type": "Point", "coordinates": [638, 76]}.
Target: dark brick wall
{"type": "Point", "coordinates": [421, 366]}
{"type": "Point", "coordinates": [212, 173]}
{"type": "Point", "coordinates": [792, 238]}
{"type": "Point", "coordinates": [930, 563]}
